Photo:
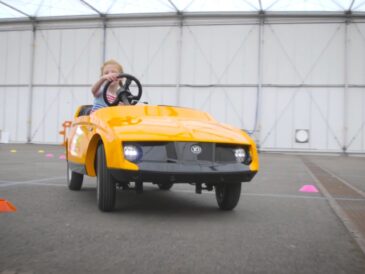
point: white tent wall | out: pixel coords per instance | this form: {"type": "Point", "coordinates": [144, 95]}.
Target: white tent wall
{"type": "Point", "coordinates": [305, 62]}
{"type": "Point", "coordinates": [355, 115]}
{"type": "Point", "coordinates": [15, 53]}
{"type": "Point", "coordinates": [219, 70]}
{"type": "Point", "coordinates": [150, 54]}
{"type": "Point", "coordinates": [270, 79]}
{"type": "Point", "coordinates": [66, 63]}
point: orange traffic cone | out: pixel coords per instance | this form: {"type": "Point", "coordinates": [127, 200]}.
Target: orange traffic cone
{"type": "Point", "coordinates": [6, 206]}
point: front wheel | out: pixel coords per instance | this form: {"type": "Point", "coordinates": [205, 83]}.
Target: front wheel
{"type": "Point", "coordinates": [228, 195]}
{"type": "Point", "coordinates": [74, 179]}
{"type": "Point", "coordinates": [106, 186]}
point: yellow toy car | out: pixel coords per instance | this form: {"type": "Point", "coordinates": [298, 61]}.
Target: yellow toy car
{"type": "Point", "coordinates": [127, 146]}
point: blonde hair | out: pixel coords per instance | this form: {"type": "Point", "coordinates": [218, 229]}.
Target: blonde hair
{"type": "Point", "coordinates": [111, 62]}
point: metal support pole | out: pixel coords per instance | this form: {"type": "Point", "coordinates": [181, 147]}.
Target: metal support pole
{"type": "Point", "coordinates": [346, 88]}
{"type": "Point", "coordinates": [30, 85]}
{"type": "Point", "coordinates": [257, 129]}
{"type": "Point", "coordinates": [104, 39]}
{"type": "Point", "coordinates": [179, 62]}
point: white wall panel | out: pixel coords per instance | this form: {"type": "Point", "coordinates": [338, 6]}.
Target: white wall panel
{"type": "Point", "coordinates": [149, 53]}
{"type": "Point", "coordinates": [276, 122]}
{"type": "Point", "coordinates": [67, 56]}
{"type": "Point", "coordinates": [80, 56]}
{"type": "Point", "coordinates": [318, 110]}
{"type": "Point", "coordinates": [319, 133]}
{"type": "Point", "coordinates": [284, 114]}
{"type": "Point", "coordinates": [268, 118]}
{"type": "Point", "coordinates": [301, 113]}
{"type": "Point", "coordinates": [222, 59]}
{"type": "Point", "coordinates": [159, 96]}
{"type": "Point", "coordinates": [310, 54]}
{"type": "Point", "coordinates": [15, 55]}
{"type": "Point", "coordinates": [234, 106]}
{"type": "Point", "coordinates": [335, 119]}
{"type": "Point", "coordinates": [356, 120]}
{"type": "Point", "coordinates": [13, 112]}
{"type": "Point", "coordinates": [241, 110]}
{"type": "Point", "coordinates": [47, 57]}
{"type": "Point", "coordinates": [220, 54]}
{"type": "Point", "coordinates": [356, 53]}
{"type": "Point", "coordinates": [52, 106]}
{"type": "Point", "coordinates": [196, 97]}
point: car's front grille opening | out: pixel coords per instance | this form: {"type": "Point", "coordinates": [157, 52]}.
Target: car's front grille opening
{"type": "Point", "coordinates": [193, 152]}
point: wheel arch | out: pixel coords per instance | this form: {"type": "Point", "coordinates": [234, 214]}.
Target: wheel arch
{"type": "Point", "coordinates": [91, 154]}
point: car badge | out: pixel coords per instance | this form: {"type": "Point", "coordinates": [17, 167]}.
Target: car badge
{"type": "Point", "coordinates": [196, 149]}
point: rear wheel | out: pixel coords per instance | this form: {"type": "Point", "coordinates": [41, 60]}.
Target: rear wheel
{"type": "Point", "coordinates": [74, 179]}
{"type": "Point", "coordinates": [106, 186]}
{"type": "Point", "coordinates": [165, 186]}
{"type": "Point", "coordinates": [228, 195]}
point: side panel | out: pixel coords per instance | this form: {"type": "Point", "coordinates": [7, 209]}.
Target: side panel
{"type": "Point", "coordinates": [15, 47]}
{"type": "Point", "coordinates": [52, 106]}
{"type": "Point", "coordinates": [234, 106]}
{"type": "Point", "coordinates": [78, 140]}
{"type": "Point", "coordinates": [317, 110]}
{"type": "Point", "coordinates": [149, 53]}
{"type": "Point", "coordinates": [14, 118]}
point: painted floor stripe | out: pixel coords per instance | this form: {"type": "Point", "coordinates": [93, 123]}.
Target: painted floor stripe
{"type": "Point", "coordinates": [45, 182]}
{"type": "Point", "coordinates": [345, 182]}
{"type": "Point", "coordinates": [339, 210]}
{"type": "Point", "coordinates": [36, 181]}
{"type": "Point", "coordinates": [272, 195]}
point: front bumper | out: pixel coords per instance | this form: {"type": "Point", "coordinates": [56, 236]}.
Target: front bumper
{"type": "Point", "coordinates": [186, 173]}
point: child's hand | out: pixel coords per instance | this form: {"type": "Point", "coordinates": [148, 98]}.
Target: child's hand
{"type": "Point", "coordinates": [111, 77]}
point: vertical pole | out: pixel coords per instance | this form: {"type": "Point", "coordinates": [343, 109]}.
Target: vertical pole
{"type": "Point", "coordinates": [257, 126]}
{"type": "Point", "coordinates": [179, 61]}
{"type": "Point", "coordinates": [104, 40]}
{"type": "Point", "coordinates": [30, 85]}
{"type": "Point", "coordinates": [346, 88]}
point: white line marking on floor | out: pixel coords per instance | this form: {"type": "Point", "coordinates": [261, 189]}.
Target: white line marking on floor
{"type": "Point", "coordinates": [35, 181]}
{"type": "Point", "coordinates": [44, 182]}
{"type": "Point", "coordinates": [271, 195]}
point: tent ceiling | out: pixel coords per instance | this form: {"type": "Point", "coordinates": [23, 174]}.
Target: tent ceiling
{"type": "Point", "coordinates": [20, 9]}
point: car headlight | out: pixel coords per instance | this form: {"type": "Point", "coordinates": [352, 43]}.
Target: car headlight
{"type": "Point", "coordinates": [133, 153]}
{"type": "Point", "coordinates": [242, 156]}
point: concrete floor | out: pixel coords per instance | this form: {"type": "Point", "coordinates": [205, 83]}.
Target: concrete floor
{"type": "Point", "coordinates": [274, 229]}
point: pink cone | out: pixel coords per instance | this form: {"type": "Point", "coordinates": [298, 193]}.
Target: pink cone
{"type": "Point", "coordinates": [62, 157]}
{"type": "Point", "coordinates": [49, 155]}
{"type": "Point", "coordinates": [308, 188]}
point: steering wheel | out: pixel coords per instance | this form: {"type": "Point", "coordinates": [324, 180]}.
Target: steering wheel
{"type": "Point", "coordinates": [124, 94]}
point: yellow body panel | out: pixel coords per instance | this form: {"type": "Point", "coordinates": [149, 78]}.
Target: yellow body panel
{"type": "Point", "coordinates": [113, 125]}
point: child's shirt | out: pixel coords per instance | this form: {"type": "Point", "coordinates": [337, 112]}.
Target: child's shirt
{"type": "Point", "coordinates": [99, 99]}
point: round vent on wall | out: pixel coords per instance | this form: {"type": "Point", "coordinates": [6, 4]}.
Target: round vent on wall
{"type": "Point", "coordinates": [302, 136]}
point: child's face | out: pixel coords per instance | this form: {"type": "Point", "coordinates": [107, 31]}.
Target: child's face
{"type": "Point", "coordinates": [110, 68]}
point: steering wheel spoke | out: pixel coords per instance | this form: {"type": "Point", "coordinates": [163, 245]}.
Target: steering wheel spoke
{"type": "Point", "coordinates": [124, 95]}
{"type": "Point", "coordinates": [127, 83]}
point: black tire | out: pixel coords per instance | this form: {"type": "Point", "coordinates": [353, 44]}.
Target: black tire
{"type": "Point", "coordinates": [165, 186]}
{"type": "Point", "coordinates": [74, 179]}
{"type": "Point", "coordinates": [228, 195]}
{"type": "Point", "coordinates": [106, 187]}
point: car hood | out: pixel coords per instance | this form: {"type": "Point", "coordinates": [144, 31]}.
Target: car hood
{"type": "Point", "coordinates": [162, 123]}
{"type": "Point", "coordinates": [172, 129]}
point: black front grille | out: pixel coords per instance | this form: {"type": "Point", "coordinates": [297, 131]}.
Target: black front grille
{"type": "Point", "coordinates": [184, 152]}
